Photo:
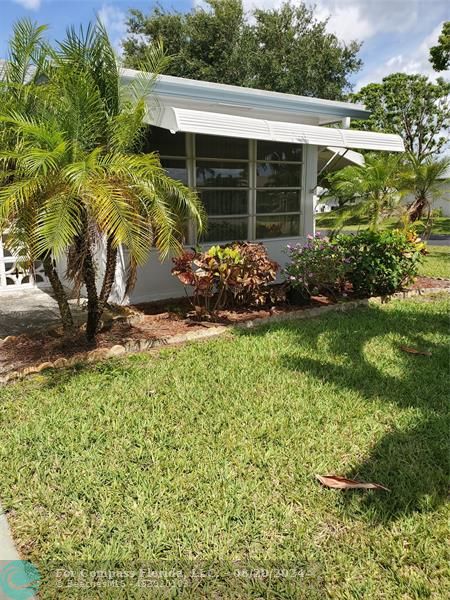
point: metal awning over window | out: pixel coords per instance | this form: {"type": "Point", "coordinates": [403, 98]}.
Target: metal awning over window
{"type": "Point", "coordinates": [230, 125]}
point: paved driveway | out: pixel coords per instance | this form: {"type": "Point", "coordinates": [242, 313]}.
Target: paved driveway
{"type": "Point", "coordinates": [31, 310]}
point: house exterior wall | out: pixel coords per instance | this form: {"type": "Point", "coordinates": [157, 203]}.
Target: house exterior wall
{"type": "Point", "coordinates": [154, 279]}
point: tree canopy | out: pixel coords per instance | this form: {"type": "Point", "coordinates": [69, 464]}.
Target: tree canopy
{"type": "Point", "coordinates": [412, 106]}
{"type": "Point", "coordinates": [70, 173]}
{"type": "Point", "coordinates": [440, 54]}
{"type": "Point", "coordinates": [285, 49]}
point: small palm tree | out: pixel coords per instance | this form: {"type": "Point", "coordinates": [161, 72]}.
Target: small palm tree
{"type": "Point", "coordinates": [373, 190]}
{"type": "Point", "coordinates": [425, 180]}
{"type": "Point", "coordinates": [76, 176]}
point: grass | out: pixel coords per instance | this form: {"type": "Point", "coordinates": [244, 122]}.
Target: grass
{"type": "Point", "coordinates": [436, 262]}
{"type": "Point", "coordinates": [441, 225]}
{"type": "Point", "coordinates": [206, 454]}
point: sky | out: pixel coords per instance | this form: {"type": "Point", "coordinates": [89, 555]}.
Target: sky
{"type": "Point", "coordinates": [396, 34]}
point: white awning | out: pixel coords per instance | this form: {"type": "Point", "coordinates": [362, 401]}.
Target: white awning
{"type": "Point", "coordinates": [230, 125]}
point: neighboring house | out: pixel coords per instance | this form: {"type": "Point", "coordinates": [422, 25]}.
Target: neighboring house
{"type": "Point", "coordinates": [253, 157]}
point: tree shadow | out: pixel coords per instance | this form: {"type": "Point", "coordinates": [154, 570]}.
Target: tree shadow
{"type": "Point", "coordinates": [413, 463]}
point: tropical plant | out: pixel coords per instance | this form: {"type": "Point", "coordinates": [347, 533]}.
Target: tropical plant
{"type": "Point", "coordinates": [316, 267]}
{"type": "Point", "coordinates": [75, 175]}
{"type": "Point", "coordinates": [425, 180]}
{"type": "Point", "coordinates": [21, 87]}
{"type": "Point", "coordinates": [236, 274]}
{"type": "Point", "coordinates": [380, 262]}
{"type": "Point", "coordinates": [373, 190]}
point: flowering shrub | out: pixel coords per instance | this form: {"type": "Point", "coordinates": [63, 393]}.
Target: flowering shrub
{"type": "Point", "coordinates": [234, 274]}
{"type": "Point", "coordinates": [381, 263]}
{"type": "Point", "coordinates": [316, 267]}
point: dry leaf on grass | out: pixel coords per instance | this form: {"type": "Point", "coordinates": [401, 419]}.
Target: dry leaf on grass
{"type": "Point", "coordinates": [341, 483]}
{"type": "Point", "coordinates": [415, 351]}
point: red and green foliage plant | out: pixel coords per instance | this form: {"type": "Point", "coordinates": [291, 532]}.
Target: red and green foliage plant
{"type": "Point", "coordinates": [227, 276]}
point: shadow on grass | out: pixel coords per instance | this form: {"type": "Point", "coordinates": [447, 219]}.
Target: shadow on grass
{"type": "Point", "coordinates": [412, 462]}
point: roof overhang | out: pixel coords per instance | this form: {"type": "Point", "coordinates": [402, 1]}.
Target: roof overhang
{"type": "Point", "coordinates": [231, 125]}
{"type": "Point", "coordinates": [203, 95]}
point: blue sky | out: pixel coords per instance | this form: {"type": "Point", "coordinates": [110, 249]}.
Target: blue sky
{"type": "Point", "coordinates": [396, 34]}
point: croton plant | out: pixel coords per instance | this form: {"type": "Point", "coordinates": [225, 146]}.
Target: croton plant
{"type": "Point", "coordinates": [231, 275]}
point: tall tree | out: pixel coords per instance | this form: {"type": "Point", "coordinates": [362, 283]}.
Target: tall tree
{"type": "Point", "coordinates": [412, 106]}
{"type": "Point", "coordinates": [285, 49]}
{"type": "Point", "coordinates": [440, 54]}
{"type": "Point", "coordinates": [21, 89]}
{"type": "Point", "coordinates": [75, 176]}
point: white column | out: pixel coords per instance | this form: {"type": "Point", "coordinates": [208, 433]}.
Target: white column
{"type": "Point", "coordinates": [309, 185]}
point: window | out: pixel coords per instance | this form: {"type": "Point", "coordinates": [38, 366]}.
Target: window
{"type": "Point", "coordinates": [172, 151]}
{"type": "Point", "coordinates": [222, 172]}
{"type": "Point", "coordinates": [250, 189]}
{"type": "Point", "coordinates": [278, 189]}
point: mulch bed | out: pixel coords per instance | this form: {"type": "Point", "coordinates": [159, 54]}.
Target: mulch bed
{"type": "Point", "coordinates": [150, 321]}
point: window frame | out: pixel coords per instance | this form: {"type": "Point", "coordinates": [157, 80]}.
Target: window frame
{"type": "Point", "coordinates": [252, 215]}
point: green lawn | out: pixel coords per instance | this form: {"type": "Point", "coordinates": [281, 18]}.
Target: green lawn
{"type": "Point", "coordinates": [207, 454]}
{"type": "Point", "coordinates": [436, 262]}
{"type": "Point", "coordinates": [441, 225]}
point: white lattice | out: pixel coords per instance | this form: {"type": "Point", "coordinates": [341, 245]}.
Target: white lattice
{"type": "Point", "coordinates": [12, 276]}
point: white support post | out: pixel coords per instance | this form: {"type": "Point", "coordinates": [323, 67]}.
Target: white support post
{"type": "Point", "coordinates": [309, 186]}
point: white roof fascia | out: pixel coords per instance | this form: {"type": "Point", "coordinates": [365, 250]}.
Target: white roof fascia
{"type": "Point", "coordinates": [223, 95]}
{"type": "Point", "coordinates": [221, 124]}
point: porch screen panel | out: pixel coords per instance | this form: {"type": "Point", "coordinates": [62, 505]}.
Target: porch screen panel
{"type": "Point", "coordinates": [222, 173]}
{"type": "Point", "coordinates": [172, 151]}
{"type": "Point", "coordinates": [278, 189]}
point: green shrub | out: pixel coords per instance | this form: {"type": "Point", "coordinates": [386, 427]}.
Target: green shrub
{"type": "Point", "coordinates": [316, 267]}
{"type": "Point", "coordinates": [236, 274]}
{"type": "Point", "coordinates": [380, 263]}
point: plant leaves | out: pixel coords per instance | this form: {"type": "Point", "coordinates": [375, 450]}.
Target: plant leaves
{"type": "Point", "coordinates": [410, 350]}
{"type": "Point", "coordinates": [341, 483]}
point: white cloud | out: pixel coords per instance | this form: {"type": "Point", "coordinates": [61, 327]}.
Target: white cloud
{"type": "Point", "coordinates": [114, 20]}
{"type": "Point", "coordinates": [30, 4]}
{"type": "Point", "coordinates": [416, 61]}
{"type": "Point", "coordinates": [363, 19]}
{"type": "Point", "coordinates": [358, 19]}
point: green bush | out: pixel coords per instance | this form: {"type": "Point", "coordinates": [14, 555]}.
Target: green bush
{"type": "Point", "coordinates": [317, 267]}
{"type": "Point", "coordinates": [380, 263]}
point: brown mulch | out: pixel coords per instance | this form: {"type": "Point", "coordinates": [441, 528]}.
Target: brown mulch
{"type": "Point", "coordinates": [152, 321]}
{"type": "Point", "coordinates": [422, 283]}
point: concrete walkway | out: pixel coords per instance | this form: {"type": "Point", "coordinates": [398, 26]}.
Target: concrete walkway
{"type": "Point", "coordinates": [29, 310]}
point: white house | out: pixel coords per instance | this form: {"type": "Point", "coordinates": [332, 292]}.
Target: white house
{"type": "Point", "coordinates": [252, 155]}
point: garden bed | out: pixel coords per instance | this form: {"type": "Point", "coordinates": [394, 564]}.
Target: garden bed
{"type": "Point", "coordinates": [143, 326]}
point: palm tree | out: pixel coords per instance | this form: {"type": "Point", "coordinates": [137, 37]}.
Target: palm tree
{"type": "Point", "coordinates": [373, 189]}
{"type": "Point", "coordinates": [77, 176]}
{"type": "Point", "coordinates": [425, 179]}
{"type": "Point", "coordinates": [21, 80]}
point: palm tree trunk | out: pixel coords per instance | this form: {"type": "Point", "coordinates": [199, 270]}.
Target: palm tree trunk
{"type": "Point", "coordinates": [59, 293]}
{"type": "Point", "coordinates": [416, 209]}
{"type": "Point", "coordinates": [109, 276]}
{"type": "Point", "coordinates": [93, 316]}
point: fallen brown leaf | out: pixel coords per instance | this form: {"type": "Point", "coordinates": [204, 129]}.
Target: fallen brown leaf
{"type": "Point", "coordinates": [415, 351]}
{"type": "Point", "coordinates": [341, 483]}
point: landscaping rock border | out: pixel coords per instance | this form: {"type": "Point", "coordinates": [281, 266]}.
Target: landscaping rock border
{"type": "Point", "coordinates": [136, 346]}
